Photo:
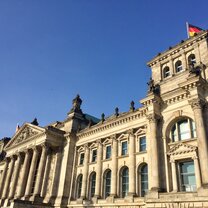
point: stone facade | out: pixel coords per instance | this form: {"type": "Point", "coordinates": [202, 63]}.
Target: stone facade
{"type": "Point", "coordinates": [153, 156]}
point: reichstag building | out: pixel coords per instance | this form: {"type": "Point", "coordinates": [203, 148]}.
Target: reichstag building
{"type": "Point", "coordinates": [147, 157]}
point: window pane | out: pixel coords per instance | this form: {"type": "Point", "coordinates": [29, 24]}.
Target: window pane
{"type": "Point", "coordinates": [184, 130]}
{"type": "Point", "coordinates": [142, 144]}
{"type": "Point", "coordinates": [94, 155]}
{"type": "Point", "coordinates": [187, 174]}
{"type": "Point", "coordinates": [79, 186]}
{"type": "Point", "coordinates": [81, 160]}
{"type": "Point", "coordinates": [107, 183]}
{"type": "Point", "coordinates": [108, 152]}
{"type": "Point", "coordinates": [125, 182]}
{"type": "Point", "coordinates": [144, 180]}
{"type": "Point", "coordinates": [124, 148]}
{"type": "Point", "coordinates": [93, 182]}
{"type": "Point", "coordinates": [174, 133]}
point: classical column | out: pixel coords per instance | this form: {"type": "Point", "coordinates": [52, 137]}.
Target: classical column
{"type": "Point", "coordinates": [197, 172]}
{"type": "Point", "coordinates": [2, 183]}
{"type": "Point", "coordinates": [174, 176]}
{"type": "Point", "coordinates": [31, 172]}
{"type": "Point", "coordinates": [85, 172]}
{"type": "Point", "coordinates": [47, 172]}
{"type": "Point", "coordinates": [114, 167]}
{"type": "Point", "coordinates": [153, 152]}
{"type": "Point", "coordinates": [184, 62]}
{"type": "Point", "coordinates": [25, 170]}
{"type": "Point", "coordinates": [8, 178]}
{"type": "Point", "coordinates": [40, 174]}
{"type": "Point", "coordinates": [132, 158]}
{"type": "Point", "coordinates": [15, 176]}
{"type": "Point", "coordinates": [197, 106]}
{"type": "Point", "coordinates": [99, 169]}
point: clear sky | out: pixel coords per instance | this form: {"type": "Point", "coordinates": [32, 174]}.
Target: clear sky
{"type": "Point", "coordinates": [50, 50]}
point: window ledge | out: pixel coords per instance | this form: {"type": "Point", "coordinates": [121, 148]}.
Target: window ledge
{"type": "Point", "coordinates": [122, 156]}
{"type": "Point", "coordinates": [182, 141]}
{"type": "Point", "coordinates": [142, 152]}
{"type": "Point", "coordinates": [105, 160]}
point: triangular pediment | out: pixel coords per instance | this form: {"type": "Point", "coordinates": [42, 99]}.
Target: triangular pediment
{"type": "Point", "coordinates": [140, 131]}
{"type": "Point", "coordinates": [107, 141]}
{"type": "Point", "coordinates": [26, 132]}
{"type": "Point", "coordinates": [181, 148]}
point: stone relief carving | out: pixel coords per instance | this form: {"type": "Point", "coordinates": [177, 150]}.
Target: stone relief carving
{"type": "Point", "coordinates": [181, 149]}
{"type": "Point", "coordinates": [26, 133]}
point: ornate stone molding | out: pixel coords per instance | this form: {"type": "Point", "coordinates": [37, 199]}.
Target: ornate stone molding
{"type": "Point", "coordinates": [153, 118]}
{"type": "Point", "coordinates": [197, 103]}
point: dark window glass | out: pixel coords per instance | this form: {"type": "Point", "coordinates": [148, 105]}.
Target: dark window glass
{"type": "Point", "coordinates": [107, 183]}
{"type": "Point", "coordinates": [124, 148]}
{"type": "Point", "coordinates": [81, 159]}
{"type": "Point", "coordinates": [94, 155]}
{"type": "Point", "coordinates": [125, 182]}
{"type": "Point", "coordinates": [142, 144]}
{"type": "Point", "coordinates": [144, 180]}
{"type": "Point", "coordinates": [92, 184]}
{"type": "Point", "coordinates": [187, 176]}
{"type": "Point", "coordinates": [79, 186]}
{"type": "Point", "coordinates": [178, 66]}
{"type": "Point", "coordinates": [166, 72]}
{"type": "Point", "coordinates": [108, 152]}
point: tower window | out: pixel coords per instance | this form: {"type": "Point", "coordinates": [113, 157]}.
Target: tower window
{"type": "Point", "coordinates": [178, 66]}
{"type": "Point", "coordinates": [166, 72]}
{"type": "Point", "coordinates": [191, 59]}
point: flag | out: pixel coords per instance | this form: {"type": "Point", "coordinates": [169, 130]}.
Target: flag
{"type": "Point", "coordinates": [192, 30]}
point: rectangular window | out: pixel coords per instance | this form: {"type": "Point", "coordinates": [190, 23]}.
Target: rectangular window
{"type": "Point", "coordinates": [142, 144]}
{"type": "Point", "coordinates": [124, 148]}
{"type": "Point", "coordinates": [94, 155]}
{"type": "Point", "coordinates": [187, 176]}
{"type": "Point", "coordinates": [108, 152]}
{"type": "Point", "coordinates": [81, 158]}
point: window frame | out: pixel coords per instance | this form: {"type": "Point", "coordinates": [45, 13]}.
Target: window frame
{"type": "Point", "coordinates": [94, 156]}
{"type": "Point", "coordinates": [125, 192]}
{"type": "Point", "coordinates": [140, 144]}
{"type": "Point", "coordinates": [107, 154]}
{"type": "Point", "coordinates": [81, 160]}
{"type": "Point", "coordinates": [124, 152]}
{"type": "Point", "coordinates": [178, 67]}
{"type": "Point", "coordinates": [92, 184]}
{"type": "Point", "coordinates": [106, 186]}
{"type": "Point", "coordinates": [165, 73]}
{"type": "Point", "coordinates": [176, 133]}
{"type": "Point", "coordinates": [79, 187]}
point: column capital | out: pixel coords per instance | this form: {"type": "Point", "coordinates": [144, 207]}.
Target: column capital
{"type": "Point", "coordinates": [99, 142]}
{"type": "Point", "coordinates": [194, 157]}
{"type": "Point", "coordinates": [113, 137]}
{"type": "Point", "coordinates": [172, 160]}
{"type": "Point", "coordinates": [153, 118]}
{"type": "Point", "coordinates": [130, 132]}
{"type": "Point", "coordinates": [197, 103]}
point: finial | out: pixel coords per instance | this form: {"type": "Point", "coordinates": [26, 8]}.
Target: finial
{"type": "Point", "coordinates": [116, 111]}
{"type": "Point", "coordinates": [102, 117]}
{"type": "Point", "coordinates": [132, 108]}
{"type": "Point", "coordinates": [35, 122]}
{"type": "Point", "coordinates": [17, 128]}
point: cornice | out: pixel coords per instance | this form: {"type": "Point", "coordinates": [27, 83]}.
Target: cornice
{"type": "Point", "coordinates": [179, 47]}
{"type": "Point", "coordinates": [140, 113]}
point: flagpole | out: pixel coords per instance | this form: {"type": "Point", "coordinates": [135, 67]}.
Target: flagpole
{"type": "Point", "coordinates": [187, 29]}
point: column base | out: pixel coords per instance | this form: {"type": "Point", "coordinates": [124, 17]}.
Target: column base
{"type": "Point", "coordinates": [203, 191]}
{"type": "Point", "coordinates": [36, 198]}
{"type": "Point", "coordinates": [153, 193]}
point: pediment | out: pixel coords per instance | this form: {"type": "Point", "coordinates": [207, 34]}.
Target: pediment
{"type": "Point", "coordinates": [181, 148]}
{"type": "Point", "coordinates": [122, 136]}
{"type": "Point", "coordinates": [107, 141]}
{"type": "Point", "coordinates": [26, 132]}
{"type": "Point", "coordinates": [81, 149]}
{"type": "Point", "coordinates": [93, 145]}
{"type": "Point", "coordinates": [140, 131]}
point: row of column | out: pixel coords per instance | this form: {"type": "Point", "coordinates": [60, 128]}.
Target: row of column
{"type": "Point", "coordinates": [114, 168]}
{"type": "Point", "coordinates": [10, 186]}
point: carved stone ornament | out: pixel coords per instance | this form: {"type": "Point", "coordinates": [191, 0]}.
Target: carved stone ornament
{"type": "Point", "coordinates": [26, 133]}
{"type": "Point", "coordinates": [182, 148]}
{"type": "Point", "coordinates": [153, 118]}
{"type": "Point", "coordinates": [197, 103]}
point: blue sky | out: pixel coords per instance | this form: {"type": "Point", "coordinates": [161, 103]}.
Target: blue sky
{"type": "Point", "coordinates": [51, 50]}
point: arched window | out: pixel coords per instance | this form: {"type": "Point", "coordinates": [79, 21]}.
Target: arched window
{"type": "Point", "coordinates": [178, 66]}
{"type": "Point", "coordinates": [183, 129]}
{"type": "Point", "coordinates": [143, 180]}
{"type": "Point", "coordinates": [79, 185]}
{"type": "Point", "coordinates": [107, 183]}
{"type": "Point", "coordinates": [166, 72]}
{"type": "Point", "coordinates": [191, 59]}
{"type": "Point", "coordinates": [92, 184]}
{"type": "Point", "coordinates": [124, 182]}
